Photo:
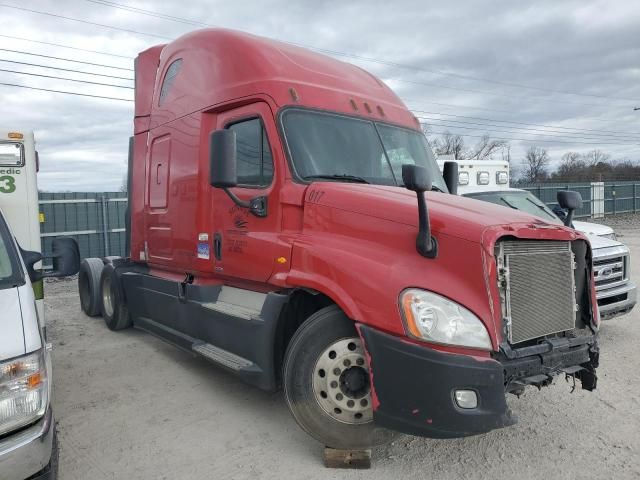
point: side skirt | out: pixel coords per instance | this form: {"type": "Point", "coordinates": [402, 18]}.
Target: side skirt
{"type": "Point", "coordinates": [231, 327]}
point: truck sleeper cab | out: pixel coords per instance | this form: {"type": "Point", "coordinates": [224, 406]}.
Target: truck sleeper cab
{"type": "Point", "coordinates": [270, 231]}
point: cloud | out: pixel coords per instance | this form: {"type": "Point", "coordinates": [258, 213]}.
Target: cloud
{"type": "Point", "coordinates": [570, 46]}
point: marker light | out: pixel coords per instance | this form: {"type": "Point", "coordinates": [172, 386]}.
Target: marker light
{"type": "Point", "coordinates": [483, 178]}
{"type": "Point", "coordinates": [463, 178]}
{"type": "Point", "coordinates": [502, 178]}
{"type": "Point", "coordinates": [16, 135]}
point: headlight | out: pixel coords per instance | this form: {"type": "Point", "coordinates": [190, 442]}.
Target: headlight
{"type": "Point", "coordinates": [24, 391]}
{"type": "Point", "coordinates": [434, 318]}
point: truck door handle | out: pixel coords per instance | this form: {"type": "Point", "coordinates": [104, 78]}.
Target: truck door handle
{"type": "Point", "coordinates": [217, 246]}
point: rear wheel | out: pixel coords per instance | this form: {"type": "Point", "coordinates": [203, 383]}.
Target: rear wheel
{"type": "Point", "coordinates": [114, 308]}
{"type": "Point", "coordinates": [89, 285]}
{"type": "Point", "coordinates": [326, 383]}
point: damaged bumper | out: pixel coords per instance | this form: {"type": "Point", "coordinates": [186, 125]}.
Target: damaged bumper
{"type": "Point", "coordinates": [416, 386]}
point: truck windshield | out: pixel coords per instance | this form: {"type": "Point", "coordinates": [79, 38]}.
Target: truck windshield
{"type": "Point", "coordinates": [519, 200]}
{"type": "Point", "coordinates": [10, 271]}
{"type": "Point", "coordinates": [341, 148]}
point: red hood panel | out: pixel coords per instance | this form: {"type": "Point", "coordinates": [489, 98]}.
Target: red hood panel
{"type": "Point", "coordinates": [449, 214]}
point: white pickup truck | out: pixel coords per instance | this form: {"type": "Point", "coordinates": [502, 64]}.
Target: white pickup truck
{"type": "Point", "coordinates": [488, 180]}
{"type": "Point", "coordinates": [27, 427]}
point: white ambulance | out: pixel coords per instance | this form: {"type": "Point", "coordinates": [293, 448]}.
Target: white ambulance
{"type": "Point", "coordinates": [27, 428]}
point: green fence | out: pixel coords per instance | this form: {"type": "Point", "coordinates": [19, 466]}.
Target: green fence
{"type": "Point", "coordinates": [547, 192]}
{"type": "Point", "coordinates": [95, 220]}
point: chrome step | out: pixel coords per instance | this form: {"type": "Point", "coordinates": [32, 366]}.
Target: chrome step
{"type": "Point", "coordinates": [223, 357]}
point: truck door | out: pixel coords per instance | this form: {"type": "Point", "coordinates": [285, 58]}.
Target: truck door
{"type": "Point", "coordinates": [246, 247]}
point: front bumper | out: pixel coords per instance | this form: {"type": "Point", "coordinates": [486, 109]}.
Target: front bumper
{"type": "Point", "coordinates": [28, 452]}
{"type": "Point", "coordinates": [415, 385]}
{"type": "Point", "coordinates": [616, 301]}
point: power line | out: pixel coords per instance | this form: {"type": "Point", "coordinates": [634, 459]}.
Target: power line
{"type": "Point", "coordinates": [592, 119]}
{"type": "Point", "coordinates": [64, 46]}
{"type": "Point", "coordinates": [66, 79]}
{"type": "Point", "coordinates": [485, 92]}
{"type": "Point", "coordinates": [528, 140]}
{"type": "Point", "coordinates": [67, 59]}
{"type": "Point", "coordinates": [84, 21]}
{"type": "Point", "coordinates": [149, 13]}
{"type": "Point", "coordinates": [364, 58]}
{"type": "Point", "coordinates": [523, 133]}
{"type": "Point", "coordinates": [66, 93]}
{"type": "Point", "coordinates": [589, 135]}
{"type": "Point", "coordinates": [64, 69]}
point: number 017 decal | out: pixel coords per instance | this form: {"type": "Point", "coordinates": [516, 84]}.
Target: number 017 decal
{"type": "Point", "coordinates": [7, 184]}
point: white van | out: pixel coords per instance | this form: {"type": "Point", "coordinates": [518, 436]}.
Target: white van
{"type": "Point", "coordinates": [27, 428]}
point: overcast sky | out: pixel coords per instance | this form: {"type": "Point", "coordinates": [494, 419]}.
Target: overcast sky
{"type": "Point", "coordinates": [568, 72]}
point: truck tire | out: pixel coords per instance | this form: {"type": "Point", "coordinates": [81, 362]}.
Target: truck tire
{"type": "Point", "coordinates": [89, 285]}
{"type": "Point", "coordinates": [114, 307]}
{"type": "Point", "coordinates": [326, 383]}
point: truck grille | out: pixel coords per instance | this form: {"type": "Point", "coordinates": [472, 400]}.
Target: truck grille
{"type": "Point", "coordinates": [609, 272]}
{"type": "Point", "coordinates": [536, 280]}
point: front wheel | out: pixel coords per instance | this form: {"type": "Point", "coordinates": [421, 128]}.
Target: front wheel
{"type": "Point", "coordinates": [326, 383]}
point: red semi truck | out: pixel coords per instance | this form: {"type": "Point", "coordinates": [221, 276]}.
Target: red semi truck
{"type": "Point", "coordinates": [289, 222]}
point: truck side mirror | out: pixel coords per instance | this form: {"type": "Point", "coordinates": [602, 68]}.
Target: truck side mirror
{"type": "Point", "coordinates": [417, 179]}
{"type": "Point", "coordinates": [450, 174]}
{"type": "Point", "coordinates": [223, 171]}
{"type": "Point", "coordinates": [222, 159]}
{"type": "Point", "coordinates": [570, 201]}
{"type": "Point", "coordinates": [66, 260]}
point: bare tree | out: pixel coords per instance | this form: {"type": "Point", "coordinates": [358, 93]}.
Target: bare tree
{"type": "Point", "coordinates": [486, 147]}
{"type": "Point", "coordinates": [595, 157]}
{"type": "Point", "coordinates": [536, 162]}
{"type": "Point", "coordinates": [450, 144]}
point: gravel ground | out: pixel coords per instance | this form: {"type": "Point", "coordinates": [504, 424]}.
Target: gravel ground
{"type": "Point", "coordinates": [130, 406]}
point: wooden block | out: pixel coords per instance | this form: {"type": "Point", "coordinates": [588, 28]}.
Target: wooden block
{"type": "Point", "coordinates": [356, 459]}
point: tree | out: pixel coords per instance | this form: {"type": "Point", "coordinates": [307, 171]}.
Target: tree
{"type": "Point", "coordinates": [450, 144]}
{"type": "Point", "coordinates": [486, 147]}
{"type": "Point", "coordinates": [536, 162]}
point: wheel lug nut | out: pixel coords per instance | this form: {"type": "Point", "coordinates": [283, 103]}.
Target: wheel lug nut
{"type": "Point", "coordinates": [347, 362]}
{"type": "Point", "coordinates": [350, 403]}
{"type": "Point", "coordinates": [360, 361]}
{"type": "Point", "coordinates": [334, 384]}
{"type": "Point", "coordinates": [339, 397]}
{"type": "Point", "coordinates": [336, 371]}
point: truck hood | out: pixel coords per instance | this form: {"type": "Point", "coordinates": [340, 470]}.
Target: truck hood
{"type": "Point", "coordinates": [449, 214]}
{"type": "Point", "coordinates": [11, 328]}
{"type": "Point", "coordinates": [592, 228]}
{"type": "Point", "coordinates": [598, 242]}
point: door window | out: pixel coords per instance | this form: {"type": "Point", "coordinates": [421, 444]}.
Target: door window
{"type": "Point", "coordinates": [254, 160]}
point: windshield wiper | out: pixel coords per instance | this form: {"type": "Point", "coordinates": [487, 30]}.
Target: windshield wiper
{"type": "Point", "coordinates": [502, 199]}
{"type": "Point", "coordinates": [344, 177]}
{"type": "Point", "coordinates": [435, 188]}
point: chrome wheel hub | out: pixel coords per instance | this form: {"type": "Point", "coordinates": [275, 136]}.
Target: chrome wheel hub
{"type": "Point", "coordinates": [341, 382]}
{"type": "Point", "coordinates": [107, 300]}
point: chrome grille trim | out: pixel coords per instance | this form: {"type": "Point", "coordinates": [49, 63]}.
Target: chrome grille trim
{"type": "Point", "coordinates": [537, 288]}
{"type": "Point", "coordinates": [610, 271]}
